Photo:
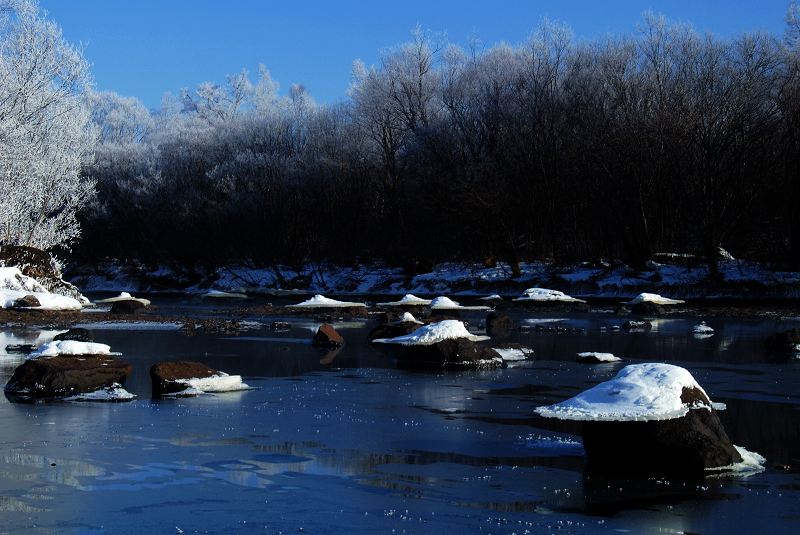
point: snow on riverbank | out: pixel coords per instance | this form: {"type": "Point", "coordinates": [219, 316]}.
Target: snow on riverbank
{"type": "Point", "coordinates": [14, 285]}
{"type": "Point", "coordinates": [582, 279]}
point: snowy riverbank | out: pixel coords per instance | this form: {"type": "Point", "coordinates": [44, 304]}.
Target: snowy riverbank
{"type": "Point", "coordinates": [741, 279]}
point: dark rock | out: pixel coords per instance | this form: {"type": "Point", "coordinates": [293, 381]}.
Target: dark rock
{"type": "Point", "coordinates": [621, 310]}
{"type": "Point", "coordinates": [647, 309]}
{"type": "Point", "coordinates": [62, 376]}
{"type": "Point", "coordinates": [553, 306]}
{"type": "Point", "coordinates": [28, 301]}
{"type": "Point", "coordinates": [680, 446]}
{"type": "Point", "coordinates": [24, 349]}
{"type": "Point", "coordinates": [786, 341]}
{"type": "Point", "coordinates": [129, 306]}
{"type": "Point", "coordinates": [165, 375]}
{"type": "Point", "coordinates": [392, 330]}
{"type": "Point", "coordinates": [327, 336]}
{"type": "Point", "coordinates": [76, 333]}
{"type": "Point", "coordinates": [455, 354]}
{"type": "Point", "coordinates": [633, 325]}
{"type": "Point", "coordinates": [499, 325]}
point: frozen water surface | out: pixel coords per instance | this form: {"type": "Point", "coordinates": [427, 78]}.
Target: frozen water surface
{"type": "Point", "coordinates": [342, 442]}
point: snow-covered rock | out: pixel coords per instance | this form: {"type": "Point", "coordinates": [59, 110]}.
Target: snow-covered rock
{"type": "Point", "coordinates": [513, 354]}
{"type": "Point", "coordinates": [655, 299]}
{"type": "Point", "coordinates": [187, 378]}
{"type": "Point", "coordinates": [445, 303]}
{"type": "Point", "coordinates": [433, 334]}
{"type": "Point", "coordinates": [408, 300]}
{"type": "Point", "coordinates": [71, 347]}
{"type": "Point", "coordinates": [593, 356]}
{"type": "Point", "coordinates": [408, 317]}
{"type": "Point", "coordinates": [320, 301]}
{"type": "Point", "coordinates": [544, 295]}
{"type": "Point", "coordinates": [221, 382]}
{"type": "Point", "coordinates": [639, 392]}
{"type": "Point", "coordinates": [14, 285]}
{"type": "Point", "coordinates": [125, 296]}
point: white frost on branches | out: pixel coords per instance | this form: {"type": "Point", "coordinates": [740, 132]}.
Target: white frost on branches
{"type": "Point", "coordinates": [46, 133]}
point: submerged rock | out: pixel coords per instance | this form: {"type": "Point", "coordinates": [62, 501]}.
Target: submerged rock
{"type": "Point", "coordinates": [76, 333]}
{"type": "Point", "coordinates": [327, 336]}
{"type": "Point", "coordinates": [499, 325]}
{"type": "Point", "coordinates": [67, 375]}
{"type": "Point", "coordinates": [786, 341]}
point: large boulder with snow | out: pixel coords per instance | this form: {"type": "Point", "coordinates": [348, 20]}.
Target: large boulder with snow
{"type": "Point", "coordinates": [649, 304]}
{"type": "Point", "coordinates": [443, 345]}
{"type": "Point", "coordinates": [187, 378]}
{"type": "Point", "coordinates": [66, 369]}
{"type": "Point", "coordinates": [39, 265]}
{"type": "Point", "coordinates": [651, 418]}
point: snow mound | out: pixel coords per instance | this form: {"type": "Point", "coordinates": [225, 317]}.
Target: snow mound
{"type": "Point", "coordinates": [493, 297]}
{"type": "Point", "coordinates": [113, 393]}
{"type": "Point", "coordinates": [510, 354]}
{"type": "Point", "coordinates": [639, 392]}
{"type": "Point", "coordinates": [408, 317]}
{"type": "Point", "coordinates": [407, 300]}
{"type": "Point", "coordinates": [592, 356]}
{"type": "Point", "coordinates": [320, 301]}
{"type": "Point", "coordinates": [125, 296]}
{"type": "Point", "coordinates": [543, 295]}
{"type": "Point", "coordinates": [224, 295]}
{"type": "Point", "coordinates": [445, 303]}
{"type": "Point", "coordinates": [14, 285]}
{"type": "Point", "coordinates": [433, 334]}
{"type": "Point", "coordinates": [654, 298]}
{"type": "Point", "coordinates": [702, 328]}
{"type": "Point", "coordinates": [221, 382]}
{"type": "Point", "coordinates": [71, 347]}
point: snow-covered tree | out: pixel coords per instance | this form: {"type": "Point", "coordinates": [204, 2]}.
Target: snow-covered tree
{"type": "Point", "coordinates": [46, 132]}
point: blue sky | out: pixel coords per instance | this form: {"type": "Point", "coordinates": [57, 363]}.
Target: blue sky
{"type": "Point", "coordinates": [144, 48]}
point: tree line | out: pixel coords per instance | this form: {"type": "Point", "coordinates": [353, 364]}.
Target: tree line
{"type": "Point", "coordinates": [664, 140]}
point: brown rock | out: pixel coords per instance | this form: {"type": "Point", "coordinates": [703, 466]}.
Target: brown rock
{"type": "Point", "coordinates": [327, 336]}
{"type": "Point", "coordinates": [455, 354]}
{"type": "Point", "coordinates": [129, 306]}
{"type": "Point", "coordinates": [28, 301]}
{"type": "Point", "coordinates": [165, 375]}
{"type": "Point", "coordinates": [63, 376]}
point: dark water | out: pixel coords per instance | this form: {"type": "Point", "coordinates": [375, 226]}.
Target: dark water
{"type": "Point", "coordinates": [346, 443]}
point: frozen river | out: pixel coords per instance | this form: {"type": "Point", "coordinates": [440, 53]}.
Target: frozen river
{"type": "Point", "coordinates": [347, 443]}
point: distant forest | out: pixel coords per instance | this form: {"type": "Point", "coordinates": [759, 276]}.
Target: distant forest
{"type": "Point", "coordinates": [662, 140]}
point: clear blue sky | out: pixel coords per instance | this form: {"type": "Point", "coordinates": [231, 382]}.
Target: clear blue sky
{"type": "Point", "coordinates": [144, 48]}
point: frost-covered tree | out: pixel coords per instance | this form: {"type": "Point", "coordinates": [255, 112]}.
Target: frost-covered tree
{"type": "Point", "coordinates": [46, 132]}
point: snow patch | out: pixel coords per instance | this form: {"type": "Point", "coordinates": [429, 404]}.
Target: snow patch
{"type": "Point", "coordinates": [445, 303]}
{"type": "Point", "coordinates": [591, 356]}
{"type": "Point", "coordinates": [544, 295]}
{"type": "Point", "coordinates": [639, 392]}
{"type": "Point", "coordinates": [407, 300]}
{"type": "Point", "coordinates": [702, 328]}
{"type": "Point", "coordinates": [752, 463]}
{"type": "Point", "coordinates": [71, 347]}
{"type": "Point", "coordinates": [113, 393]}
{"type": "Point", "coordinates": [408, 317]}
{"type": "Point", "coordinates": [224, 295]}
{"type": "Point", "coordinates": [514, 354]}
{"type": "Point", "coordinates": [221, 382]}
{"type": "Point", "coordinates": [125, 296]}
{"type": "Point", "coordinates": [433, 334]}
{"type": "Point", "coordinates": [320, 301]}
{"type": "Point", "coordinates": [654, 298]}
